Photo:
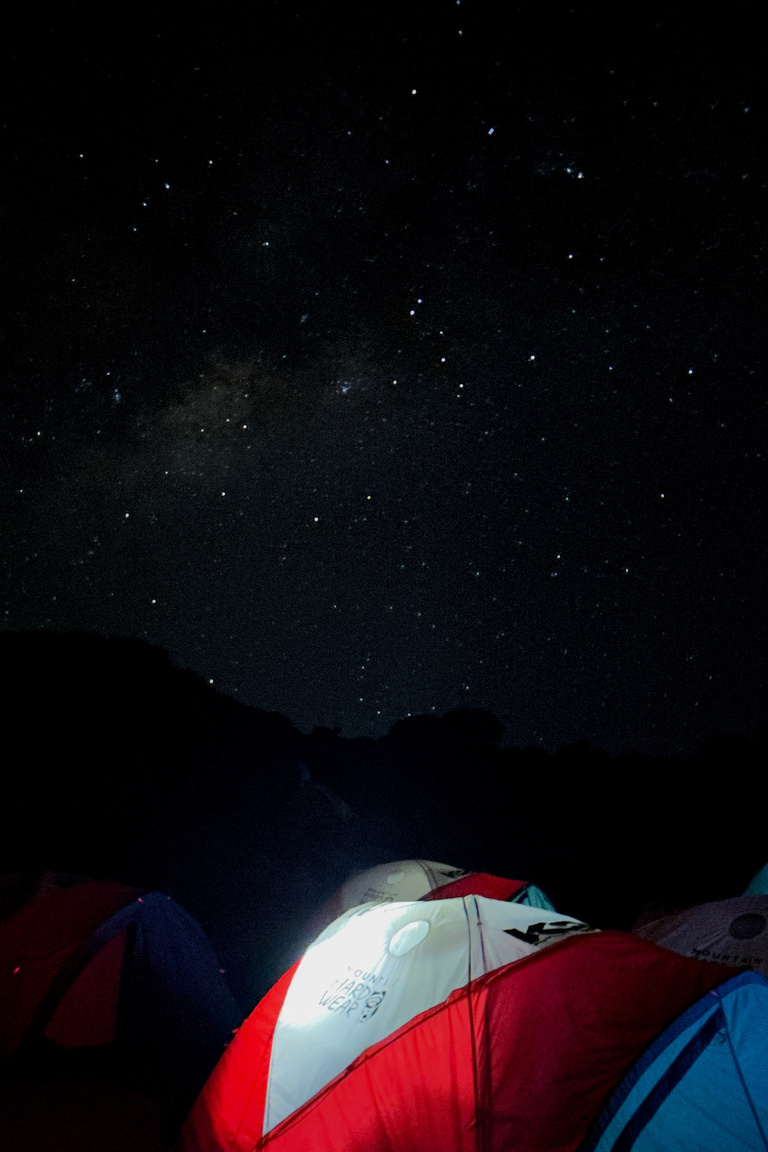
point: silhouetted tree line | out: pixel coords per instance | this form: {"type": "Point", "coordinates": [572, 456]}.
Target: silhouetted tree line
{"type": "Point", "coordinates": [120, 765]}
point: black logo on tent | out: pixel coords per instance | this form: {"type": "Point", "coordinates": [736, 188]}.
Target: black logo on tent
{"type": "Point", "coordinates": [350, 996]}
{"type": "Point", "coordinates": [538, 933]}
{"type": "Point", "coordinates": [746, 926]}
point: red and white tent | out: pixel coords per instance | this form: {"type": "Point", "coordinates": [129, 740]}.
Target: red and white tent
{"type": "Point", "coordinates": [418, 880]}
{"type": "Point", "coordinates": [463, 1024]}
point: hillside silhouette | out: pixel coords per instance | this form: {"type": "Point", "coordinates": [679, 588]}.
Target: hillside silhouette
{"type": "Point", "coordinates": [119, 765]}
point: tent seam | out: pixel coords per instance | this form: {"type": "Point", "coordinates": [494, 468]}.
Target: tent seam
{"type": "Point", "coordinates": [743, 1082]}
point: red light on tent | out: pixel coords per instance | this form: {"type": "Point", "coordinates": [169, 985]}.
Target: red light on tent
{"type": "Point", "coordinates": [16, 970]}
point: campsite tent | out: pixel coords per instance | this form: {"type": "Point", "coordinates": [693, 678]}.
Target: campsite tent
{"type": "Point", "coordinates": [758, 885]}
{"type": "Point", "coordinates": [701, 1084]}
{"type": "Point", "coordinates": [730, 931]}
{"type": "Point", "coordinates": [419, 880]}
{"type": "Point", "coordinates": [90, 966]}
{"type": "Point", "coordinates": [494, 888]}
{"type": "Point", "coordinates": [458, 1024]}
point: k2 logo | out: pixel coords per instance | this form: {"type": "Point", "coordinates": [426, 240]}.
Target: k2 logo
{"type": "Point", "coordinates": [540, 933]}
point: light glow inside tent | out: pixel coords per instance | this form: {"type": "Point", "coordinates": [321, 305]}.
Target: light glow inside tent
{"type": "Point", "coordinates": [378, 967]}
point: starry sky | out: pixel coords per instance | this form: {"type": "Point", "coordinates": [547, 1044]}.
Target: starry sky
{"type": "Point", "coordinates": [385, 363]}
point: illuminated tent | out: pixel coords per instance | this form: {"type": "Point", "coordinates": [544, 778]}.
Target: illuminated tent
{"type": "Point", "coordinates": [92, 966]}
{"type": "Point", "coordinates": [419, 880]}
{"type": "Point", "coordinates": [701, 1085]}
{"type": "Point", "coordinates": [457, 1024]}
{"type": "Point", "coordinates": [730, 931]}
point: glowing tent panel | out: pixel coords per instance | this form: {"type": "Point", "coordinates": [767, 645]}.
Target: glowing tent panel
{"type": "Point", "coordinates": [419, 880]}
{"type": "Point", "coordinates": [378, 967]}
{"type": "Point", "coordinates": [561, 1025]}
{"type": "Point", "coordinates": [399, 880]}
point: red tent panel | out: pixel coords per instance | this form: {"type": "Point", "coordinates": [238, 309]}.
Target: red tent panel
{"type": "Point", "coordinates": [478, 884]}
{"type": "Point", "coordinates": [37, 941]}
{"type": "Point", "coordinates": [87, 1013]}
{"type": "Point", "coordinates": [523, 1059]}
{"type": "Point", "coordinates": [229, 1111]}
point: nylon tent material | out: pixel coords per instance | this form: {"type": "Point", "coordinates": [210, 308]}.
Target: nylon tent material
{"type": "Point", "coordinates": [419, 880]}
{"type": "Point", "coordinates": [758, 885]}
{"type": "Point", "coordinates": [731, 931]}
{"type": "Point", "coordinates": [464, 1024]}
{"type": "Point", "coordinates": [44, 945]}
{"type": "Point", "coordinates": [101, 966]}
{"type": "Point", "coordinates": [701, 1085]}
{"type": "Point", "coordinates": [493, 887]}
{"type": "Point", "coordinates": [384, 883]}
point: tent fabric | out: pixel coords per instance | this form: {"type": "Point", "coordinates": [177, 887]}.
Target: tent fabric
{"type": "Point", "coordinates": [384, 883]}
{"type": "Point", "coordinates": [380, 966]}
{"type": "Point", "coordinates": [533, 897]}
{"type": "Point", "coordinates": [418, 880]}
{"type": "Point", "coordinates": [229, 1112]}
{"type": "Point", "coordinates": [492, 1012]}
{"type": "Point", "coordinates": [701, 1085]}
{"type": "Point", "coordinates": [49, 935]}
{"type": "Point", "coordinates": [731, 931]}
{"type": "Point", "coordinates": [495, 888]}
{"type": "Point", "coordinates": [176, 1011]}
{"type": "Point", "coordinates": [86, 1015]}
{"type": "Point", "coordinates": [95, 964]}
{"type": "Point", "coordinates": [758, 885]}
{"type": "Point", "coordinates": [478, 884]}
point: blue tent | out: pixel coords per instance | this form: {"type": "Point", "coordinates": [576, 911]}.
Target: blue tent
{"type": "Point", "coordinates": [758, 885]}
{"type": "Point", "coordinates": [702, 1085]}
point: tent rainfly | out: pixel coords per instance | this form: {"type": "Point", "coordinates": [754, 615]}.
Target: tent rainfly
{"type": "Point", "coordinates": [701, 1084]}
{"type": "Point", "coordinates": [94, 965]}
{"type": "Point", "coordinates": [731, 931]}
{"type": "Point", "coordinates": [459, 1024]}
{"type": "Point", "coordinates": [758, 885]}
{"type": "Point", "coordinates": [419, 880]}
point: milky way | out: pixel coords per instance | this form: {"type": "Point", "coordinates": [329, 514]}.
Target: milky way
{"type": "Point", "coordinates": [382, 368]}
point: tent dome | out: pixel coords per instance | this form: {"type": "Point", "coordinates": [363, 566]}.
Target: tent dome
{"type": "Point", "coordinates": [701, 1084]}
{"type": "Point", "coordinates": [419, 880]}
{"type": "Point", "coordinates": [98, 969]}
{"type": "Point", "coordinates": [451, 1024]}
{"type": "Point", "coordinates": [731, 931]}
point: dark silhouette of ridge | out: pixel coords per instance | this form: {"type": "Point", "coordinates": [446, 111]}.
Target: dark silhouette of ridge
{"type": "Point", "coordinates": [120, 765]}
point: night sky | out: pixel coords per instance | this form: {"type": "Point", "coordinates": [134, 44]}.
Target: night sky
{"type": "Point", "coordinates": [389, 363]}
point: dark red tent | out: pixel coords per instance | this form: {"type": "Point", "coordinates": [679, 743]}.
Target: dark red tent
{"type": "Point", "coordinates": [98, 975]}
